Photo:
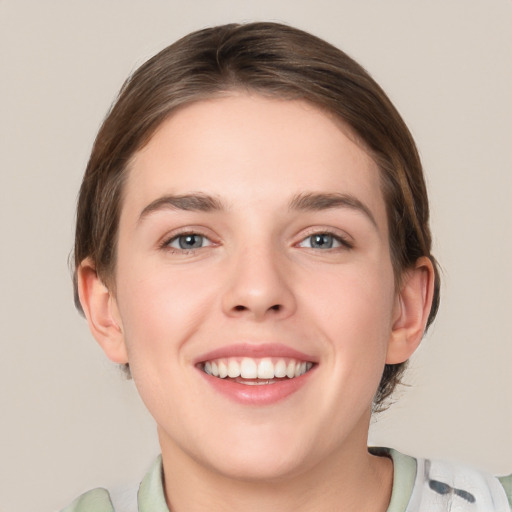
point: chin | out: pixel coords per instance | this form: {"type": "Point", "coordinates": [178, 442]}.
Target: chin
{"type": "Point", "coordinates": [265, 467]}
{"type": "Point", "coordinates": [262, 454]}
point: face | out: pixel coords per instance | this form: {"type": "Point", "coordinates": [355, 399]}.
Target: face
{"type": "Point", "coordinates": [254, 286]}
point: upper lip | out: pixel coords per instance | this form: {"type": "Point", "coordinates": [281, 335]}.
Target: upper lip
{"type": "Point", "coordinates": [253, 350]}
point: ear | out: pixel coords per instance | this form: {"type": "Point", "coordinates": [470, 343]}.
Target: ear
{"type": "Point", "coordinates": [100, 308]}
{"type": "Point", "coordinates": [412, 307]}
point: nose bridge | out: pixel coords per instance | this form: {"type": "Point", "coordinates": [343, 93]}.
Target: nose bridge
{"type": "Point", "coordinates": [258, 283]}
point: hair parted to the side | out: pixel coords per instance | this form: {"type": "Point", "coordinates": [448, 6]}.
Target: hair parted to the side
{"type": "Point", "coordinates": [273, 60]}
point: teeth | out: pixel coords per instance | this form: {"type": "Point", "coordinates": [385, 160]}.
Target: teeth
{"type": "Point", "coordinates": [233, 369]}
{"type": "Point", "coordinates": [256, 382]}
{"type": "Point", "coordinates": [248, 369]}
{"type": "Point", "coordinates": [280, 369]}
{"type": "Point", "coordinates": [290, 370]}
{"type": "Point", "coordinates": [223, 370]}
{"type": "Point", "coordinates": [264, 369]}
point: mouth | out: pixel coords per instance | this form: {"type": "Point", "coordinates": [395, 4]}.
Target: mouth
{"type": "Point", "coordinates": [256, 371]}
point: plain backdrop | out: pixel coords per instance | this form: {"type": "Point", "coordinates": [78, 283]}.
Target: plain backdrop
{"type": "Point", "coordinates": [69, 421]}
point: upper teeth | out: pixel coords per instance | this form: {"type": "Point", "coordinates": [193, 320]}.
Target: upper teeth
{"type": "Point", "coordinates": [248, 368]}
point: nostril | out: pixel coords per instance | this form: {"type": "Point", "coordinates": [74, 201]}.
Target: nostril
{"type": "Point", "coordinates": [275, 307]}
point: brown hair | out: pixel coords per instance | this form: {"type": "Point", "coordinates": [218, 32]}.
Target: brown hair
{"type": "Point", "coordinates": [274, 60]}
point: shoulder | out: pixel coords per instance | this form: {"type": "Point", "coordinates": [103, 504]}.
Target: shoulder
{"type": "Point", "coordinates": [452, 485]}
{"type": "Point", "coordinates": [148, 496]}
{"type": "Point", "coordinates": [100, 500]}
{"type": "Point", "coordinates": [506, 482]}
{"type": "Point", "coordinates": [438, 486]}
{"type": "Point", "coordinates": [96, 500]}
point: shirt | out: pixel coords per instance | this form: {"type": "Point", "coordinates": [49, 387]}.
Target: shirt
{"type": "Point", "coordinates": [419, 485]}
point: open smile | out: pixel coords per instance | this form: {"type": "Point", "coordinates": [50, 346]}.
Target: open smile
{"type": "Point", "coordinates": [256, 371]}
{"type": "Point", "coordinates": [256, 375]}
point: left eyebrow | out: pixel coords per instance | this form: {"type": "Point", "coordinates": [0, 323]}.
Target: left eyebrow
{"type": "Point", "coordinates": [326, 201]}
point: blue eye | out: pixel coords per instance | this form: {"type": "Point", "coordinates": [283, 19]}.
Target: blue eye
{"type": "Point", "coordinates": [322, 241]}
{"type": "Point", "coordinates": [188, 241]}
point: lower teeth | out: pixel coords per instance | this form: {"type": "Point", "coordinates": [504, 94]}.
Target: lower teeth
{"type": "Point", "coordinates": [254, 382]}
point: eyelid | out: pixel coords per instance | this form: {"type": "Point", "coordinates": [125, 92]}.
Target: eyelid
{"type": "Point", "coordinates": [166, 240]}
{"type": "Point", "coordinates": [176, 238]}
{"type": "Point", "coordinates": [345, 240]}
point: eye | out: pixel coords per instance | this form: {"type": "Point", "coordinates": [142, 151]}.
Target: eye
{"type": "Point", "coordinates": [323, 241]}
{"type": "Point", "coordinates": [188, 241]}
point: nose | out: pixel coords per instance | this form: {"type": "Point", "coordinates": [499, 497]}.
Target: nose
{"type": "Point", "coordinates": [258, 286]}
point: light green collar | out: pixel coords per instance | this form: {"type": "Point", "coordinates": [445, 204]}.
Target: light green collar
{"type": "Point", "coordinates": [151, 496]}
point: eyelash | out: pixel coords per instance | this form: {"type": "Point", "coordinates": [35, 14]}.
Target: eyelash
{"type": "Point", "coordinates": [166, 244]}
{"type": "Point", "coordinates": [343, 242]}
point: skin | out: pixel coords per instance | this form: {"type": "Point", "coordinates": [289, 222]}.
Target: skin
{"type": "Point", "coordinates": [256, 278]}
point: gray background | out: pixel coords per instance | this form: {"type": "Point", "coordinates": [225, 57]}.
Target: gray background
{"type": "Point", "coordinates": [68, 420]}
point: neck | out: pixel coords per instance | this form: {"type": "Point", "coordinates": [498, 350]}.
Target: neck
{"type": "Point", "coordinates": [350, 480]}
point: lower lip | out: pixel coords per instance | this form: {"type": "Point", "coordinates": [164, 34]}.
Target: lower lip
{"type": "Point", "coordinates": [263, 394]}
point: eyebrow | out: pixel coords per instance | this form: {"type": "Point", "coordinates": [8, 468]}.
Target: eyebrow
{"type": "Point", "coordinates": [188, 202]}
{"type": "Point", "coordinates": [301, 202]}
{"type": "Point", "coordinates": [323, 201]}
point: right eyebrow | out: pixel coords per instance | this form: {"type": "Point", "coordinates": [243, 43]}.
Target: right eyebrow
{"type": "Point", "coordinates": [187, 202]}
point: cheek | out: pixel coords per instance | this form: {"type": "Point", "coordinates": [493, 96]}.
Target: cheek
{"type": "Point", "coordinates": [161, 314]}
{"type": "Point", "coordinates": [161, 310]}
{"type": "Point", "coordinates": [355, 313]}
{"type": "Point", "coordinates": [353, 299]}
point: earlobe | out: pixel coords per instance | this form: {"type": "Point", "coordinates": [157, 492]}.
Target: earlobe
{"type": "Point", "coordinates": [101, 311]}
{"type": "Point", "coordinates": [412, 308]}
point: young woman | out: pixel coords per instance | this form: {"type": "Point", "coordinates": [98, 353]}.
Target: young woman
{"type": "Point", "coordinates": [253, 245]}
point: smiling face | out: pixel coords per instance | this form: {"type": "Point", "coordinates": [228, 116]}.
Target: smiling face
{"type": "Point", "coordinates": [255, 297]}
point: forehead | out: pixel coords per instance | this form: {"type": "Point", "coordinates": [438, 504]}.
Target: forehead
{"type": "Point", "coordinates": [250, 145]}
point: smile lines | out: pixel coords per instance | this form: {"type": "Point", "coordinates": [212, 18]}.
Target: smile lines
{"type": "Point", "coordinates": [248, 368]}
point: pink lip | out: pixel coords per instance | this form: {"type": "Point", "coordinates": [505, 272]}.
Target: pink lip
{"type": "Point", "coordinates": [255, 351]}
{"type": "Point", "coordinates": [259, 394]}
